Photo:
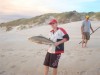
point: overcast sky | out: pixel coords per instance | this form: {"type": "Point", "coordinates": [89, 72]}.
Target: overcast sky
{"type": "Point", "coordinates": [37, 7]}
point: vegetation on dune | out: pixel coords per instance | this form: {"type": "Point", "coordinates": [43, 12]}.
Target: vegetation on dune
{"type": "Point", "coordinates": [98, 15]}
{"type": "Point", "coordinates": [62, 18]}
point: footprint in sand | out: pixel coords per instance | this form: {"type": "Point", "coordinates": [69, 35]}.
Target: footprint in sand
{"type": "Point", "coordinates": [10, 53]}
{"type": "Point", "coordinates": [98, 71]}
{"type": "Point", "coordinates": [13, 66]}
{"type": "Point", "coordinates": [24, 61]}
{"type": "Point", "coordinates": [23, 56]}
{"type": "Point", "coordinates": [2, 55]}
{"type": "Point", "coordinates": [78, 73]}
{"type": "Point", "coordinates": [90, 51]}
{"type": "Point", "coordinates": [82, 73]}
{"type": "Point", "coordinates": [2, 72]}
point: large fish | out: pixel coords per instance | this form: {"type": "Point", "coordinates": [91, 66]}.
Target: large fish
{"type": "Point", "coordinates": [41, 40]}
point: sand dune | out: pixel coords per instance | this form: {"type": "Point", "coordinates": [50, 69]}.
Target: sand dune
{"type": "Point", "coordinates": [19, 56]}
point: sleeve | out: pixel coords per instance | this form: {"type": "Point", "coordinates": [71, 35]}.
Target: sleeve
{"type": "Point", "coordinates": [64, 34]}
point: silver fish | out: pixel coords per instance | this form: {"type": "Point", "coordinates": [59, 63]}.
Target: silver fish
{"type": "Point", "coordinates": [41, 40]}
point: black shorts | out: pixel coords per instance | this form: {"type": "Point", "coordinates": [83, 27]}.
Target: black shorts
{"type": "Point", "coordinates": [52, 60]}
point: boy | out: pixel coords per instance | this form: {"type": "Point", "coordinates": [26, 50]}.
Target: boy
{"type": "Point", "coordinates": [59, 36]}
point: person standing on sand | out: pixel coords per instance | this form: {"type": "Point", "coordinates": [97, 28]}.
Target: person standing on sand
{"type": "Point", "coordinates": [59, 36]}
{"type": "Point", "coordinates": [85, 30]}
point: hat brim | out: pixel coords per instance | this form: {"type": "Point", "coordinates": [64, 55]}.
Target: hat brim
{"type": "Point", "coordinates": [51, 23]}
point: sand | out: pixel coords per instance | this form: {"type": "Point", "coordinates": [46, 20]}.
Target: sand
{"type": "Point", "coordinates": [19, 56]}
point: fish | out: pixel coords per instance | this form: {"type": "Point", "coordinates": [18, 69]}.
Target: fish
{"type": "Point", "coordinates": [41, 40]}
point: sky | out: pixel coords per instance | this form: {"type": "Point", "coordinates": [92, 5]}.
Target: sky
{"type": "Point", "coordinates": [38, 7]}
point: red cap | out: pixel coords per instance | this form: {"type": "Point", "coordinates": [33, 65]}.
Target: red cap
{"type": "Point", "coordinates": [52, 21]}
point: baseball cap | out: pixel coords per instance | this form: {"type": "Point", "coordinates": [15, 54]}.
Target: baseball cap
{"type": "Point", "coordinates": [52, 21]}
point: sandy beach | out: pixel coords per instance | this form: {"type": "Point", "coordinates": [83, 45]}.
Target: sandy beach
{"type": "Point", "coordinates": [19, 56]}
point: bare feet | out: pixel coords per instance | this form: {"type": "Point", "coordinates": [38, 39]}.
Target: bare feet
{"type": "Point", "coordinates": [84, 46]}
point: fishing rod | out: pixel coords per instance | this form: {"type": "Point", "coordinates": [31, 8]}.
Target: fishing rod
{"type": "Point", "coordinates": [91, 33]}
